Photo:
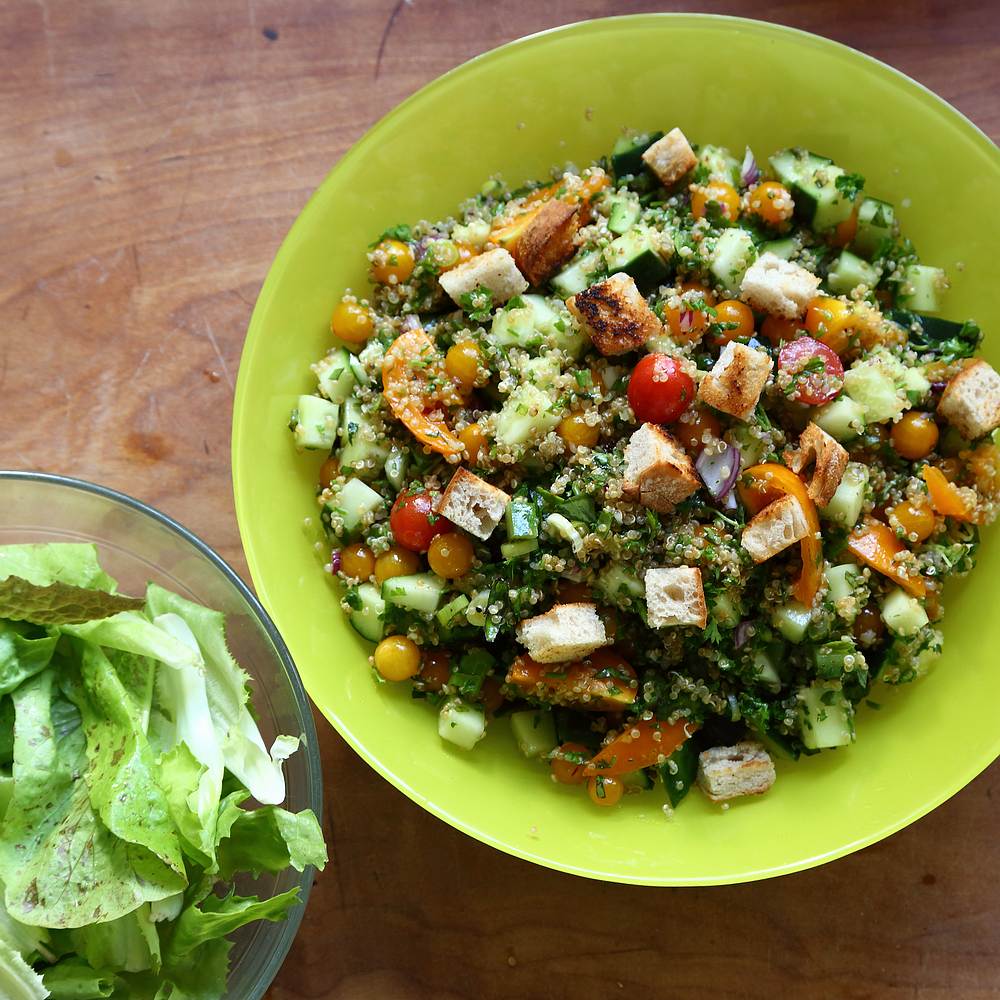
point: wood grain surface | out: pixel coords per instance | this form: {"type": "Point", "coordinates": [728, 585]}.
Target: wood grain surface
{"type": "Point", "coordinates": [152, 156]}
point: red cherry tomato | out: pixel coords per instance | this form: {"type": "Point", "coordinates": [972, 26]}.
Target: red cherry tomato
{"type": "Point", "coordinates": [414, 522]}
{"type": "Point", "coordinates": [817, 376]}
{"type": "Point", "coordinates": [659, 390]}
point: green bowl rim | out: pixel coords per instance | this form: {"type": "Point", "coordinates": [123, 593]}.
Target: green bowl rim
{"type": "Point", "coordinates": [241, 403]}
{"type": "Point", "coordinates": [314, 777]}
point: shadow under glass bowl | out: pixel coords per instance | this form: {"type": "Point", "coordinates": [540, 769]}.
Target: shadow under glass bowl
{"type": "Point", "coordinates": [137, 545]}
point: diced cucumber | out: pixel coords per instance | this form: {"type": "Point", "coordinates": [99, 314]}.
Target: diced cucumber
{"type": "Point", "coordinates": [623, 210]}
{"type": "Point", "coordinates": [791, 164]}
{"type": "Point", "coordinates": [922, 288]}
{"type": "Point", "coordinates": [534, 731]}
{"type": "Point", "coordinates": [785, 249]}
{"type": "Point", "coordinates": [335, 375]}
{"type": "Point", "coordinates": [849, 271]}
{"type": "Point", "coordinates": [315, 423]}
{"type": "Point", "coordinates": [562, 527]}
{"type": "Point", "coordinates": [578, 275]}
{"type": "Point", "coordinates": [420, 592]}
{"type": "Point", "coordinates": [639, 780]}
{"type": "Point", "coordinates": [724, 610]}
{"type": "Point", "coordinates": [638, 254]}
{"type": "Point", "coordinates": [734, 252]}
{"type": "Point", "coordinates": [847, 501]}
{"type": "Point", "coordinates": [527, 413]}
{"type": "Point", "coordinates": [367, 619]}
{"type": "Point", "coordinates": [792, 620]}
{"type": "Point", "coordinates": [620, 586]}
{"type": "Point", "coordinates": [521, 519]}
{"type": "Point", "coordinates": [826, 717]}
{"type": "Point", "coordinates": [461, 723]}
{"type": "Point", "coordinates": [525, 326]}
{"type": "Point", "coordinates": [360, 453]}
{"type": "Point", "coordinates": [842, 580]}
{"type": "Point", "coordinates": [679, 771]}
{"type": "Point", "coordinates": [876, 223]}
{"type": "Point", "coordinates": [395, 468]}
{"type": "Point", "coordinates": [542, 371]}
{"type": "Point", "coordinates": [358, 370]}
{"type": "Point", "coordinates": [356, 500]}
{"type": "Point", "coordinates": [903, 615]}
{"type": "Point", "coordinates": [626, 155]}
{"type": "Point", "coordinates": [767, 670]}
{"type": "Point", "coordinates": [452, 610]}
{"type": "Point", "coordinates": [875, 389]}
{"type": "Point", "coordinates": [475, 613]}
{"type": "Point", "coordinates": [812, 180]}
{"type": "Point", "coordinates": [514, 550]}
{"type": "Point", "coordinates": [474, 233]}
{"type": "Point", "coordinates": [843, 419]}
{"type": "Point", "coordinates": [720, 164]}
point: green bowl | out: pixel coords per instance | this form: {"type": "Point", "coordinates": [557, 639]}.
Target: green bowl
{"type": "Point", "coordinates": [564, 96]}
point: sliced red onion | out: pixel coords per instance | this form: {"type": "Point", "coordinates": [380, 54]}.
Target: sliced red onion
{"type": "Point", "coordinates": [729, 501]}
{"type": "Point", "coordinates": [685, 320]}
{"type": "Point", "coordinates": [335, 561]}
{"type": "Point", "coordinates": [749, 171]}
{"type": "Point", "coordinates": [719, 469]}
{"type": "Point", "coordinates": [742, 634]}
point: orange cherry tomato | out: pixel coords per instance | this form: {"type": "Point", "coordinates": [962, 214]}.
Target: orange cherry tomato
{"type": "Point", "coordinates": [718, 192]}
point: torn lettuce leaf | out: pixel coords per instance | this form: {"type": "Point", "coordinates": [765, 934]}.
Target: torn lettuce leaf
{"type": "Point", "coordinates": [42, 564]}
{"type": "Point", "coordinates": [18, 981]}
{"type": "Point", "coordinates": [271, 839]}
{"type": "Point", "coordinates": [74, 979]}
{"type": "Point", "coordinates": [58, 603]}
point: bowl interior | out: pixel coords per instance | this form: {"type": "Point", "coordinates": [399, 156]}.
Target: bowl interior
{"type": "Point", "coordinates": [137, 546]}
{"type": "Point", "coordinates": [564, 96]}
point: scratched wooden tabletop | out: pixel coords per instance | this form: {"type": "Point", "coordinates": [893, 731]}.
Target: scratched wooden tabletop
{"type": "Point", "coordinates": [152, 156]}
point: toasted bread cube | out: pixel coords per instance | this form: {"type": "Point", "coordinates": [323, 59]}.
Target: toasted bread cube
{"type": "Point", "coordinates": [494, 270]}
{"type": "Point", "coordinates": [615, 315]}
{"type": "Point", "coordinates": [777, 526]}
{"type": "Point", "coordinates": [778, 286]}
{"type": "Point", "coordinates": [731, 772]}
{"type": "Point", "coordinates": [829, 456]}
{"type": "Point", "coordinates": [675, 596]}
{"type": "Point", "coordinates": [565, 632]}
{"type": "Point", "coordinates": [736, 380]}
{"type": "Point", "coordinates": [971, 400]}
{"type": "Point", "coordinates": [658, 471]}
{"type": "Point", "coordinates": [671, 157]}
{"type": "Point", "coordinates": [472, 504]}
{"type": "Point", "coordinates": [547, 241]}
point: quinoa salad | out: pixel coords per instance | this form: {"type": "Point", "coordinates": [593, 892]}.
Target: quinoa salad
{"type": "Point", "coordinates": [660, 463]}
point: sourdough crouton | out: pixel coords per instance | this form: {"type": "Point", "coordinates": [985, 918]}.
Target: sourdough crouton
{"type": "Point", "coordinates": [730, 772]}
{"type": "Point", "coordinates": [971, 400]}
{"type": "Point", "coordinates": [816, 446]}
{"type": "Point", "coordinates": [658, 472]}
{"type": "Point", "coordinates": [671, 157]}
{"type": "Point", "coordinates": [472, 504]}
{"type": "Point", "coordinates": [778, 286]}
{"type": "Point", "coordinates": [777, 526]}
{"type": "Point", "coordinates": [615, 315]}
{"type": "Point", "coordinates": [675, 596]}
{"type": "Point", "coordinates": [566, 632]}
{"type": "Point", "coordinates": [736, 380]}
{"type": "Point", "coordinates": [494, 270]}
{"type": "Point", "coordinates": [547, 241]}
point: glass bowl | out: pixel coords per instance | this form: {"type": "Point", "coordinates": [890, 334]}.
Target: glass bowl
{"type": "Point", "coordinates": [137, 544]}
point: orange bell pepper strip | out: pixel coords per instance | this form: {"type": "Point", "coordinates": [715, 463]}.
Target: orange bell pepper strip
{"type": "Point", "coordinates": [642, 744]}
{"type": "Point", "coordinates": [763, 484]}
{"type": "Point", "coordinates": [413, 376]}
{"type": "Point", "coordinates": [876, 545]}
{"type": "Point", "coordinates": [945, 497]}
{"type": "Point", "coordinates": [600, 682]}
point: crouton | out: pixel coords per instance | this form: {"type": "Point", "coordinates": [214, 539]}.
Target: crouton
{"type": "Point", "coordinates": [730, 772]}
{"type": "Point", "coordinates": [547, 241]}
{"type": "Point", "coordinates": [494, 270]}
{"type": "Point", "coordinates": [675, 596]}
{"type": "Point", "coordinates": [565, 632]}
{"type": "Point", "coordinates": [971, 400]}
{"type": "Point", "coordinates": [472, 504]}
{"type": "Point", "coordinates": [671, 157]}
{"type": "Point", "coordinates": [778, 286]}
{"type": "Point", "coordinates": [777, 526]}
{"type": "Point", "coordinates": [816, 446]}
{"type": "Point", "coordinates": [736, 380]}
{"type": "Point", "coordinates": [615, 315]}
{"type": "Point", "coordinates": [658, 472]}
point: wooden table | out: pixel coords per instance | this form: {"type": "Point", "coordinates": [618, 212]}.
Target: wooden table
{"type": "Point", "coordinates": [152, 157]}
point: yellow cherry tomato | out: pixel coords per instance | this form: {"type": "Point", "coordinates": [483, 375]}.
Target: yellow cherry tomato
{"type": "Point", "coordinates": [779, 330]}
{"type": "Point", "coordinates": [575, 430]}
{"type": "Point", "coordinates": [474, 440]}
{"type": "Point", "coordinates": [328, 471]}
{"type": "Point", "coordinates": [733, 311]}
{"type": "Point", "coordinates": [915, 435]}
{"type": "Point", "coordinates": [686, 322]}
{"type": "Point", "coordinates": [462, 363]}
{"type": "Point", "coordinates": [832, 322]}
{"type": "Point", "coordinates": [724, 195]}
{"type": "Point", "coordinates": [396, 562]}
{"type": "Point", "coordinates": [695, 428]}
{"type": "Point", "coordinates": [604, 790]}
{"type": "Point", "coordinates": [450, 555]}
{"type": "Point", "coordinates": [358, 561]}
{"type": "Point", "coordinates": [352, 323]}
{"type": "Point", "coordinates": [392, 261]}
{"type": "Point", "coordinates": [397, 658]}
{"type": "Point", "coordinates": [915, 517]}
{"type": "Point", "coordinates": [771, 202]}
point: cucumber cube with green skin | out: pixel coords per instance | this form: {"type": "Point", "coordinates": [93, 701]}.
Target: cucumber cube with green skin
{"type": "Point", "coordinates": [785, 249]}
{"type": "Point", "coordinates": [623, 210]}
{"type": "Point", "coordinates": [733, 254]}
{"type": "Point", "coordinates": [842, 580]}
{"type": "Point", "coordinates": [420, 592]}
{"type": "Point", "coordinates": [361, 452]}
{"type": "Point", "coordinates": [354, 502]}
{"type": "Point", "coordinates": [903, 615]}
{"type": "Point", "coordinates": [876, 223]}
{"type": "Point", "coordinates": [528, 412]}
{"type": "Point", "coordinates": [626, 155]}
{"type": "Point", "coordinates": [847, 502]}
{"type": "Point", "coordinates": [767, 671]}
{"type": "Point", "coordinates": [826, 717]}
{"type": "Point", "coordinates": [578, 274]}
{"type": "Point", "coordinates": [534, 731]}
{"type": "Point", "coordinates": [461, 723]}
{"type": "Point", "coordinates": [922, 288]}
{"type": "Point", "coordinates": [844, 418]}
{"type": "Point", "coordinates": [792, 620]}
{"type": "Point", "coordinates": [724, 610]}
{"type": "Point", "coordinates": [335, 377]}
{"type": "Point", "coordinates": [515, 550]}
{"type": "Point", "coordinates": [637, 253]}
{"type": "Point", "coordinates": [720, 164]}
{"type": "Point", "coordinates": [395, 468]}
{"type": "Point", "coordinates": [874, 387]}
{"type": "Point", "coordinates": [315, 425]}
{"type": "Point", "coordinates": [849, 272]}
{"type": "Point", "coordinates": [366, 619]}
{"type": "Point", "coordinates": [521, 519]}
{"type": "Point", "coordinates": [452, 610]}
